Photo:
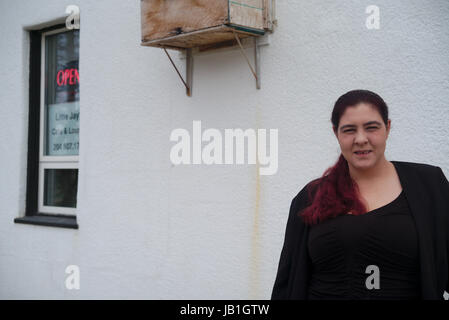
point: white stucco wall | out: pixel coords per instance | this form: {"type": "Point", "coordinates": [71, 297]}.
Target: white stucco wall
{"type": "Point", "coordinates": [151, 230]}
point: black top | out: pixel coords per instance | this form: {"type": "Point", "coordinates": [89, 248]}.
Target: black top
{"type": "Point", "coordinates": [342, 248]}
{"type": "Point", "coordinates": [427, 192]}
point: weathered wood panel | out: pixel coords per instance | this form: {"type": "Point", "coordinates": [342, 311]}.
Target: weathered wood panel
{"type": "Point", "coordinates": [268, 11]}
{"type": "Point", "coordinates": [165, 18]}
{"type": "Point", "coordinates": [247, 13]}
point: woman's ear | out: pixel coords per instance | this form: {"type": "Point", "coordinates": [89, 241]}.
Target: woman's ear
{"type": "Point", "coordinates": [335, 131]}
{"type": "Point", "coordinates": [388, 127]}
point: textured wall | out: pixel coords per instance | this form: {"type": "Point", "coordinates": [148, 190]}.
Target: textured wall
{"type": "Point", "coordinates": [149, 229]}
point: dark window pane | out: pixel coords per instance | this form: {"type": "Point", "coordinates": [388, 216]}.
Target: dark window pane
{"type": "Point", "coordinates": [62, 94]}
{"type": "Point", "coordinates": [60, 187]}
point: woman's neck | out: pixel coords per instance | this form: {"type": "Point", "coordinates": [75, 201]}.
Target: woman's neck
{"type": "Point", "coordinates": [380, 170]}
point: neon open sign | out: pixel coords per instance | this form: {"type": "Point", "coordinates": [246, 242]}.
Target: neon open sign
{"type": "Point", "coordinates": [67, 77]}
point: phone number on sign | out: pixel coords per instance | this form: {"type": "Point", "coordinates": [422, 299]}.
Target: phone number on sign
{"type": "Point", "coordinates": [65, 146]}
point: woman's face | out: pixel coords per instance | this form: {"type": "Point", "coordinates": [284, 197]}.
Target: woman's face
{"type": "Point", "coordinates": [361, 128]}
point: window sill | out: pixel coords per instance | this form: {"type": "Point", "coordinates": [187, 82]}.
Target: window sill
{"type": "Point", "coordinates": [49, 221]}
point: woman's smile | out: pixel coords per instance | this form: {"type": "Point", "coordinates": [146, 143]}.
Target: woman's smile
{"type": "Point", "coordinates": [363, 154]}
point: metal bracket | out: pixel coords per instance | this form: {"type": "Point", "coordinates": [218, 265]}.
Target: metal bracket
{"type": "Point", "coordinates": [187, 54]}
{"type": "Point", "coordinates": [189, 70]}
{"type": "Point", "coordinates": [256, 73]}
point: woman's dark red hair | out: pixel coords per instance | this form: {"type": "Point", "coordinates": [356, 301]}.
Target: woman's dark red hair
{"type": "Point", "coordinates": [336, 193]}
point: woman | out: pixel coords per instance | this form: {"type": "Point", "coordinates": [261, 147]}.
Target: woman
{"type": "Point", "coordinates": [369, 228]}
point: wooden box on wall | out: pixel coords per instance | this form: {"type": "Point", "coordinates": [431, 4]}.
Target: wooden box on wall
{"type": "Point", "coordinates": [180, 24]}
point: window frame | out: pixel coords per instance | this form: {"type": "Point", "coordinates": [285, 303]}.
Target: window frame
{"type": "Point", "coordinates": [50, 162]}
{"type": "Point", "coordinates": [35, 212]}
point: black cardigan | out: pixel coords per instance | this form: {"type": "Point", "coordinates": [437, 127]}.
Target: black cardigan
{"type": "Point", "coordinates": [427, 192]}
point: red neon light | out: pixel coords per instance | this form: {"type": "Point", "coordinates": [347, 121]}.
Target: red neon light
{"type": "Point", "coordinates": [67, 75]}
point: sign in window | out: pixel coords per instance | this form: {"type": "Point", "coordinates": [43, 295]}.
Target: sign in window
{"type": "Point", "coordinates": [62, 94]}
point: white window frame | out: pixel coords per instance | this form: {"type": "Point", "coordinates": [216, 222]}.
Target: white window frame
{"type": "Point", "coordinates": [51, 162]}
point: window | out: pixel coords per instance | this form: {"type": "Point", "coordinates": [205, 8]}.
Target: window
{"type": "Point", "coordinates": [59, 122]}
{"type": "Point", "coordinates": [53, 139]}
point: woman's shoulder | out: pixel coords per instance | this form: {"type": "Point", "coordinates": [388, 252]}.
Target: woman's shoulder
{"type": "Point", "coordinates": [425, 170]}
{"type": "Point", "coordinates": [416, 165]}
{"type": "Point", "coordinates": [304, 194]}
